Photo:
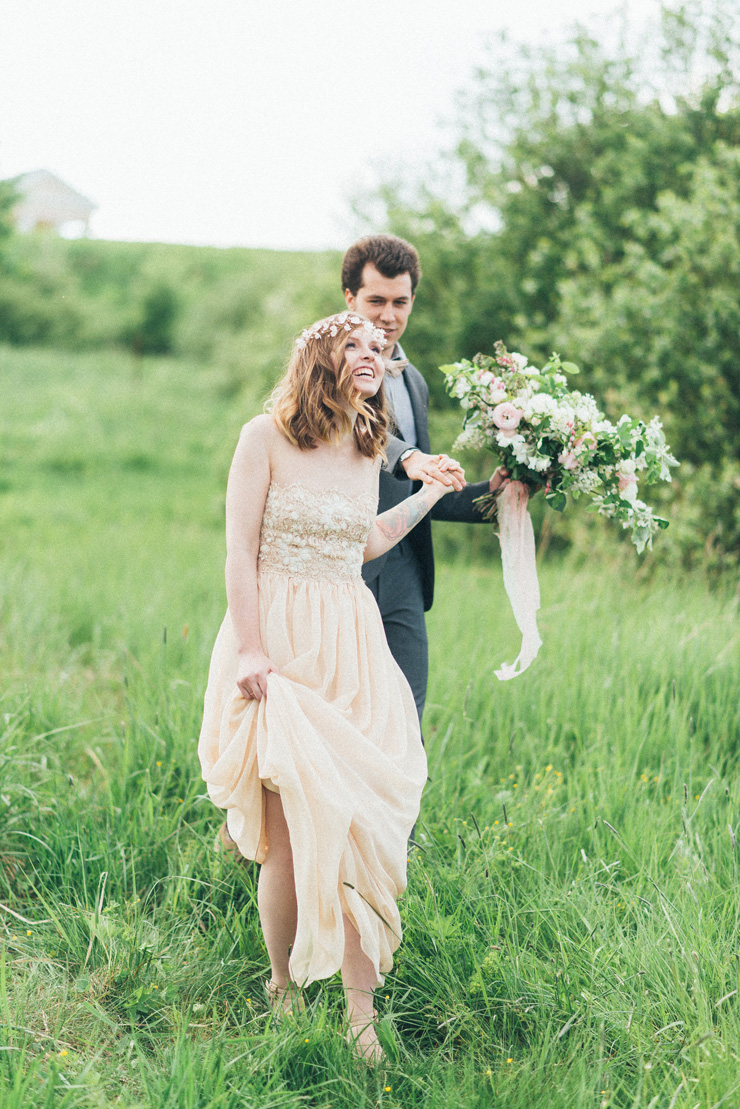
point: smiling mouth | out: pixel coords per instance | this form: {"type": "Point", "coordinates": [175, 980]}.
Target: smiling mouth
{"type": "Point", "coordinates": [364, 373]}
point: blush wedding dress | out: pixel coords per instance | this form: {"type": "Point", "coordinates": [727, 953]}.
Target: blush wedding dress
{"type": "Point", "coordinates": [337, 734]}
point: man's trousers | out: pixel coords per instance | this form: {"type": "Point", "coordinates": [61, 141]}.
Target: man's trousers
{"type": "Point", "coordinates": [398, 591]}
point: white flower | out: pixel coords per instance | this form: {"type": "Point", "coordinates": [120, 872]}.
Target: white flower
{"type": "Point", "coordinates": [562, 420]}
{"type": "Point", "coordinates": [519, 360]}
{"type": "Point", "coordinates": [471, 437]}
{"type": "Point", "coordinates": [629, 493]}
{"type": "Point", "coordinates": [496, 396]}
{"type": "Point", "coordinates": [542, 404]}
{"type": "Point", "coordinates": [585, 481]}
{"type": "Point", "coordinates": [461, 388]}
{"type": "Point", "coordinates": [504, 439]}
{"type": "Point", "coordinates": [586, 410]}
{"type": "Point", "coordinates": [520, 448]}
{"type": "Point", "coordinates": [658, 448]}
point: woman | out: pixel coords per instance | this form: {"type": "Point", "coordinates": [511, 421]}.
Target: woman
{"type": "Point", "coordinates": [310, 737]}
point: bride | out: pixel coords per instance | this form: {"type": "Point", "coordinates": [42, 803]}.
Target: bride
{"type": "Point", "coordinates": [310, 736]}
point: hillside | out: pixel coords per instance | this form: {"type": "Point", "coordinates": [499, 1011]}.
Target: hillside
{"type": "Point", "coordinates": [203, 303]}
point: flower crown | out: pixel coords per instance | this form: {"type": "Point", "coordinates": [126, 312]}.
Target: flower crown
{"type": "Point", "coordinates": [334, 324]}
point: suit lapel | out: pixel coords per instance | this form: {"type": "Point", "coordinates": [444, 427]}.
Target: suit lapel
{"type": "Point", "coordinates": [411, 377]}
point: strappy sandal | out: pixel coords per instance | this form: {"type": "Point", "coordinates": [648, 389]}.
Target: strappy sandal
{"type": "Point", "coordinates": [284, 999]}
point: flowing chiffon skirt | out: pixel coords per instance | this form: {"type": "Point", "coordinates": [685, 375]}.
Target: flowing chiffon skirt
{"type": "Point", "coordinates": [337, 736]}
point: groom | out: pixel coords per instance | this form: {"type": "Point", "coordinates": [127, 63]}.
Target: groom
{"type": "Point", "coordinates": [380, 274]}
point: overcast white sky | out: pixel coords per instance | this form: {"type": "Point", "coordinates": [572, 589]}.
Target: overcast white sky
{"type": "Point", "coordinates": [243, 122]}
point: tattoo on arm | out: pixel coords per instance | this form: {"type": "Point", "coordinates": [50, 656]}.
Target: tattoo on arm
{"type": "Point", "coordinates": [396, 522]}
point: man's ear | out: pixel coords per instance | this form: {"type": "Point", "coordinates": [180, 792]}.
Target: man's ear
{"type": "Point", "coordinates": [351, 300]}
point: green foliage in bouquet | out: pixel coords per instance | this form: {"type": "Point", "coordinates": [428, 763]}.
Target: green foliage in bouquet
{"type": "Point", "coordinates": [553, 437]}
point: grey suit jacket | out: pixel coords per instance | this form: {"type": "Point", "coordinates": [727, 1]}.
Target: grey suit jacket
{"type": "Point", "coordinates": [395, 487]}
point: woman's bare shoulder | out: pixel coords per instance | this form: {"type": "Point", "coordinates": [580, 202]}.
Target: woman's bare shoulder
{"type": "Point", "coordinates": [260, 427]}
{"type": "Point", "coordinates": [262, 433]}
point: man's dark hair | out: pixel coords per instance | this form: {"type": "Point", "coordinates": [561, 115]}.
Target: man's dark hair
{"type": "Point", "coordinates": [390, 255]}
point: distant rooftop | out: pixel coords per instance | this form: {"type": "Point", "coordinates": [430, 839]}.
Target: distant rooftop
{"type": "Point", "coordinates": [47, 202]}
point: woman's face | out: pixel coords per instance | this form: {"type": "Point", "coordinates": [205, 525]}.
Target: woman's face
{"type": "Point", "coordinates": [364, 357]}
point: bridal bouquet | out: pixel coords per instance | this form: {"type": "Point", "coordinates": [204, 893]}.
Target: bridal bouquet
{"type": "Point", "coordinates": [547, 435]}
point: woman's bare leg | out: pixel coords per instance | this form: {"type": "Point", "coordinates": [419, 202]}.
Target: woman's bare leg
{"type": "Point", "coordinates": [276, 895]}
{"type": "Point", "coordinates": [359, 980]}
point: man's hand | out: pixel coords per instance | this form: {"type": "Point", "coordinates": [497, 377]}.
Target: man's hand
{"type": "Point", "coordinates": [499, 478]}
{"type": "Point", "coordinates": [434, 467]}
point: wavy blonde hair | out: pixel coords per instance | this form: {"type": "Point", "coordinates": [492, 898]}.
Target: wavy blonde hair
{"type": "Point", "coordinates": [309, 403]}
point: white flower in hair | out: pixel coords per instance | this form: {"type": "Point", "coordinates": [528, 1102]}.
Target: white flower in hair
{"type": "Point", "coordinates": [334, 324]}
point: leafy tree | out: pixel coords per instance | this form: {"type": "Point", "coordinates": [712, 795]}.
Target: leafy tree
{"type": "Point", "coordinates": [608, 176]}
{"type": "Point", "coordinates": [153, 329]}
{"type": "Point", "coordinates": [662, 324]}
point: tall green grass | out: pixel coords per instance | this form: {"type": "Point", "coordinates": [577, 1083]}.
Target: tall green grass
{"type": "Point", "coordinates": [572, 916]}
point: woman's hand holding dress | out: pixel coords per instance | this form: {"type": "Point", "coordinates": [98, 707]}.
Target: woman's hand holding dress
{"type": "Point", "coordinates": [253, 668]}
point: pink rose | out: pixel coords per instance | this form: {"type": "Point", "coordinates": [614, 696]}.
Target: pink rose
{"type": "Point", "coordinates": [568, 460]}
{"type": "Point", "coordinates": [506, 416]}
{"type": "Point", "coordinates": [628, 487]}
{"type": "Point", "coordinates": [586, 440]}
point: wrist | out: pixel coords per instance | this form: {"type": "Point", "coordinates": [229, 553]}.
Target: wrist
{"type": "Point", "coordinates": [431, 493]}
{"type": "Point", "coordinates": [406, 455]}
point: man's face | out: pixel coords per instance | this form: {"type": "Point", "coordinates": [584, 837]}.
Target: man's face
{"type": "Point", "coordinates": [387, 301]}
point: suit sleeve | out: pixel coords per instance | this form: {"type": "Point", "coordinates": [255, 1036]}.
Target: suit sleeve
{"type": "Point", "coordinates": [459, 507]}
{"type": "Point", "coordinates": [394, 448]}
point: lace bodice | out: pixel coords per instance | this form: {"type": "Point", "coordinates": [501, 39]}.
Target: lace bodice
{"type": "Point", "coordinates": [315, 533]}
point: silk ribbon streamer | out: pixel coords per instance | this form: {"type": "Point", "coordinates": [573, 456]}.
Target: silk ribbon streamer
{"type": "Point", "coordinates": [520, 573]}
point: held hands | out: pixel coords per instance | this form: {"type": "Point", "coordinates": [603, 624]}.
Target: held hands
{"type": "Point", "coordinates": [431, 468]}
{"type": "Point", "coordinates": [251, 674]}
{"type": "Point", "coordinates": [434, 490]}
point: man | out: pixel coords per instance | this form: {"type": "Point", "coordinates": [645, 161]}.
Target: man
{"type": "Point", "coordinates": [380, 275]}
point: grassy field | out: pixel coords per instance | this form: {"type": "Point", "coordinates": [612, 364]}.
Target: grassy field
{"type": "Point", "coordinates": [571, 925]}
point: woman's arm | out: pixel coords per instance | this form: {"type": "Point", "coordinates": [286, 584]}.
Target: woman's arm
{"type": "Point", "coordinates": [390, 527]}
{"type": "Point", "coordinates": [249, 481]}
